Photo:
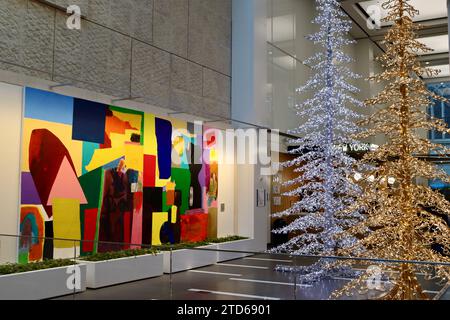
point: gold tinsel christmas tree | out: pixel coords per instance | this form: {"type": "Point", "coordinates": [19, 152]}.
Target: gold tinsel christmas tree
{"type": "Point", "coordinates": [400, 224]}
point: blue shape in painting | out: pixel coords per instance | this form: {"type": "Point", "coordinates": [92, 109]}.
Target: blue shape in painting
{"type": "Point", "coordinates": [89, 120]}
{"type": "Point", "coordinates": [113, 164]}
{"type": "Point", "coordinates": [164, 139]}
{"type": "Point", "coordinates": [88, 152]}
{"type": "Point", "coordinates": [133, 176]}
{"type": "Point", "coordinates": [48, 106]}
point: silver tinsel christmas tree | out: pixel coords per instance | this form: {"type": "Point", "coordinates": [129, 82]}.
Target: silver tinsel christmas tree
{"type": "Point", "coordinates": [325, 183]}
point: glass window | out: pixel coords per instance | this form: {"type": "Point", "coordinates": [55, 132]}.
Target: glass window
{"type": "Point", "coordinates": [440, 109]}
{"type": "Point", "coordinates": [288, 22]}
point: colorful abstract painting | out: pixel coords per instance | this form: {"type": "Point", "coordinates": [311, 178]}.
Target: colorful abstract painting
{"type": "Point", "coordinates": [111, 177]}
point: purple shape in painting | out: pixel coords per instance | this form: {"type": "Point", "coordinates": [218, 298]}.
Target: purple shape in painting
{"type": "Point", "coordinates": [29, 192]}
{"type": "Point", "coordinates": [207, 168]}
{"type": "Point", "coordinates": [202, 176]}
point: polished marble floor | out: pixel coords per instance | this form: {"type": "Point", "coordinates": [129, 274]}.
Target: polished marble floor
{"type": "Point", "coordinates": [251, 278]}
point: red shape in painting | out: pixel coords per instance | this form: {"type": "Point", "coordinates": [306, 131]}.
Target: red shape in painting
{"type": "Point", "coordinates": [66, 185]}
{"type": "Point", "coordinates": [170, 197]}
{"type": "Point", "coordinates": [46, 153]}
{"type": "Point", "coordinates": [194, 227]}
{"type": "Point", "coordinates": [210, 135]}
{"type": "Point", "coordinates": [126, 230]}
{"type": "Point", "coordinates": [136, 230]}
{"type": "Point", "coordinates": [149, 171]}
{"type": "Point", "coordinates": [90, 227]}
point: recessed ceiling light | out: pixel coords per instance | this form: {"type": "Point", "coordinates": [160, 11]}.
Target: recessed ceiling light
{"type": "Point", "coordinates": [427, 11]}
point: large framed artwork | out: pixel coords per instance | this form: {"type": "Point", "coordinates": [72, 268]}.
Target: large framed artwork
{"type": "Point", "coordinates": [108, 176]}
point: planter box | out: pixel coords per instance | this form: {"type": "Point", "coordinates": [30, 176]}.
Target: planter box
{"type": "Point", "coordinates": [186, 259]}
{"type": "Point", "coordinates": [111, 272]}
{"type": "Point", "coordinates": [239, 245]}
{"type": "Point", "coordinates": [40, 284]}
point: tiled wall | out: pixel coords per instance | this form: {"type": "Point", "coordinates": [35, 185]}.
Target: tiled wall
{"type": "Point", "coordinates": [174, 54]}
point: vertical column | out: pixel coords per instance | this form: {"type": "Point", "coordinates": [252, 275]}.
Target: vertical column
{"type": "Point", "coordinates": [10, 122]}
{"type": "Point", "coordinates": [448, 15]}
{"type": "Point", "coordinates": [249, 77]}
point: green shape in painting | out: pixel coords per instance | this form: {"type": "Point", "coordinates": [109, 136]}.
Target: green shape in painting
{"type": "Point", "coordinates": [91, 183]}
{"type": "Point", "coordinates": [23, 257]}
{"type": "Point", "coordinates": [182, 179]}
{"type": "Point", "coordinates": [130, 111]}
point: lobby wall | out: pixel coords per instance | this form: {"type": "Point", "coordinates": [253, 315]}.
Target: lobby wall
{"type": "Point", "coordinates": [167, 55]}
{"type": "Point", "coordinates": [11, 106]}
{"type": "Point", "coordinates": [174, 54]}
{"type": "Point", "coordinates": [10, 122]}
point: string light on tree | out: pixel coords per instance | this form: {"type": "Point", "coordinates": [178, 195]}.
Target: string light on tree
{"type": "Point", "coordinates": [402, 227]}
{"type": "Point", "coordinates": [323, 185]}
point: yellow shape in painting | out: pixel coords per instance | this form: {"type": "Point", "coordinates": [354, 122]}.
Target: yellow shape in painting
{"type": "Point", "coordinates": [159, 218]}
{"type": "Point", "coordinates": [174, 214]}
{"type": "Point", "coordinates": [62, 131]}
{"type": "Point", "coordinates": [160, 183]}
{"type": "Point", "coordinates": [213, 156]}
{"type": "Point", "coordinates": [134, 157]}
{"type": "Point", "coordinates": [178, 124]}
{"type": "Point", "coordinates": [105, 156]}
{"type": "Point", "coordinates": [150, 142]}
{"type": "Point", "coordinates": [119, 148]}
{"type": "Point", "coordinates": [124, 137]}
{"type": "Point", "coordinates": [66, 221]}
{"type": "Point", "coordinates": [135, 120]}
{"type": "Point", "coordinates": [178, 145]}
{"type": "Point", "coordinates": [170, 186]}
{"type": "Point", "coordinates": [118, 139]}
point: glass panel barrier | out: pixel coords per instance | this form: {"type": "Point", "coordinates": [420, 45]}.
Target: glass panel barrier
{"type": "Point", "coordinates": [35, 268]}
{"type": "Point", "coordinates": [123, 271]}
{"type": "Point", "coordinates": [267, 276]}
{"type": "Point", "coordinates": [50, 268]}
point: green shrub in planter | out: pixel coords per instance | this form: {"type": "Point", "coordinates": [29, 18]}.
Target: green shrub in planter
{"type": "Point", "coordinates": [155, 249]}
{"type": "Point", "coordinates": [227, 239]}
{"type": "Point", "coordinates": [190, 245]}
{"type": "Point", "coordinates": [34, 266]}
{"type": "Point", "coordinates": [119, 254]}
{"type": "Point", "coordinates": [183, 245]}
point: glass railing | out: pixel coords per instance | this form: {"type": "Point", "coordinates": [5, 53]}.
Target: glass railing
{"type": "Point", "coordinates": [65, 269]}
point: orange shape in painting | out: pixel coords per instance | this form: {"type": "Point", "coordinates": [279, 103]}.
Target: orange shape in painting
{"type": "Point", "coordinates": [114, 125]}
{"type": "Point", "coordinates": [32, 228]}
{"type": "Point", "coordinates": [66, 185]}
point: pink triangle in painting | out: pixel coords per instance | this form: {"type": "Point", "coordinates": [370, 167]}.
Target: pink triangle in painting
{"type": "Point", "coordinates": [66, 185]}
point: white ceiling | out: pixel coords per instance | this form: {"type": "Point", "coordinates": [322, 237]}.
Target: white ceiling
{"type": "Point", "coordinates": [429, 9]}
{"type": "Point", "coordinates": [445, 71]}
{"type": "Point", "coordinates": [439, 44]}
{"type": "Point", "coordinates": [434, 32]}
{"type": "Point", "coordinates": [281, 31]}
